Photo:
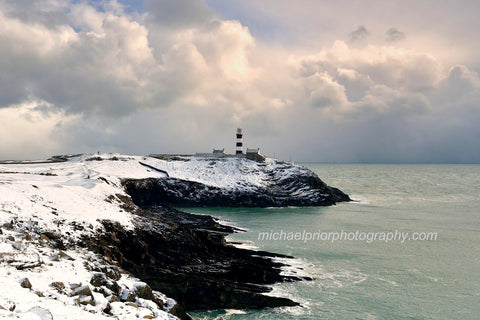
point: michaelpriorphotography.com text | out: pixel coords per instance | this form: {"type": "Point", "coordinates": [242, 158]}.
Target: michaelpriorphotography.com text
{"type": "Point", "coordinates": [357, 235]}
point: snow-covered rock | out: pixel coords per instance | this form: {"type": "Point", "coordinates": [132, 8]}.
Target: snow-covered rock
{"type": "Point", "coordinates": [48, 209]}
{"type": "Point", "coordinates": [231, 181]}
{"type": "Point", "coordinates": [44, 207]}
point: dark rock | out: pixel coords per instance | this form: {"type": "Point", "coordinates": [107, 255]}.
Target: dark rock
{"type": "Point", "coordinates": [158, 300]}
{"type": "Point", "coordinates": [186, 257]}
{"type": "Point", "coordinates": [168, 191]}
{"type": "Point", "coordinates": [112, 272]}
{"type": "Point", "coordinates": [85, 299]}
{"type": "Point", "coordinates": [128, 296]}
{"type": "Point", "coordinates": [51, 235]}
{"type": "Point", "coordinates": [82, 291]}
{"type": "Point", "coordinates": [107, 309]}
{"type": "Point", "coordinates": [63, 255]}
{"type": "Point", "coordinates": [144, 291]}
{"type": "Point", "coordinates": [40, 294]}
{"type": "Point", "coordinates": [178, 311]}
{"type": "Point", "coordinates": [114, 287]}
{"type": "Point", "coordinates": [60, 255]}
{"type": "Point", "coordinates": [25, 283]}
{"type": "Point", "coordinates": [8, 225]}
{"type": "Point", "coordinates": [60, 286]}
{"type": "Point", "coordinates": [169, 249]}
{"type": "Point", "coordinates": [285, 184]}
{"type": "Point", "coordinates": [103, 179]}
{"type": "Point", "coordinates": [98, 279]}
{"type": "Point", "coordinates": [8, 305]}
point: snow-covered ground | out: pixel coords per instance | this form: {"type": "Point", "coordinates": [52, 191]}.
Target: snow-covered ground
{"type": "Point", "coordinates": [77, 190]}
{"type": "Point", "coordinates": [68, 199]}
{"type": "Point", "coordinates": [42, 283]}
{"type": "Point", "coordinates": [231, 172]}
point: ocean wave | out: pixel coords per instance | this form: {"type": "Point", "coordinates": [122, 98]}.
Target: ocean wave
{"type": "Point", "coordinates": [359, 199]}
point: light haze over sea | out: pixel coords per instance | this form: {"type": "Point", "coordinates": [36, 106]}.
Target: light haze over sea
{"type": "Point", "coordinates": [436, 279]}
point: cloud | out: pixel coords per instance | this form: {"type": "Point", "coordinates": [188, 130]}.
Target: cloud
{"type": "Point", "coordinates": [360, 34]}
{"type": "Point", "coordinates": [390, 110]}
{"type": "Point", "coordinates": [31, 128]}
{"type": "Point", "coordinates": [91, 72]}
{"type": "Point", "coordinates": [108, 64]}
{"type": "Point", "coordinates": [179, 13]}
{"type": "Point", "coordinates": [324, 92]}
{"type": "Point", "coordinates": [103, 68]}
{"type": "Point", "coordinates": [373, 79]}
{"type": "Point", "coordinates": [86, 76]}
{"type": "Point", "coordinates": [46, 13]}
{"type": "Point", "coordinates": [393, 35]}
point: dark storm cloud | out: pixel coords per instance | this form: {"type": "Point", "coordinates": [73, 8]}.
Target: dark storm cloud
{"type": "Point", "coordinates": [178, 13]}
{"type": "Point", "coordinates": [49, 14]}
{"type": "Point", "coordinates": [76, 72]}
{"type": "Point", "coordinates": [360, 34]}
{"type": "Point", "coordinates": [80, 76]}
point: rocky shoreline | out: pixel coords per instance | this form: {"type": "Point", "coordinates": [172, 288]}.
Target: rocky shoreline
{"type": "Point", "coordinates": [217, 275]}
{"type": "Point", "coordinates": [187, 259]}
{"type": "Point", "coordinates": [118, 211]}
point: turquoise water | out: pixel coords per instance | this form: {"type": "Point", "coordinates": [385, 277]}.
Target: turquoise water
{"type": "Point", "coordinates": [431, 279]}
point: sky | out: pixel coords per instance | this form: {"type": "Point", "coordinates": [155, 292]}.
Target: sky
{"type": "Point", "coordinates": [307, 80]}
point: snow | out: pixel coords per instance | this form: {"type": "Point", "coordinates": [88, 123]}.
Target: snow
{"type": "Point", "coordinates": [70, 199]}
{"type": "Point", "coordinates": [234, 173]}
{"type": "Point", "coordinates": [53, 195]}
{"type": "Point", "coordinates": [70, 191]}
{"type": "Point", "coordinates": [59, 197]}
{"type": "Point", "coordinates": [44, 301]}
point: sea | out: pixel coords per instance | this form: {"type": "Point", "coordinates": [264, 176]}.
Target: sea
{"type": "Point", "coordinates": [408, 247]}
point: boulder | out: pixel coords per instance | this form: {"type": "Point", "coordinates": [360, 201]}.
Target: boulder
{"type": "Point", "coordinates": [59, 286]}
{"type": "Point", "coordinates": [25, 283]}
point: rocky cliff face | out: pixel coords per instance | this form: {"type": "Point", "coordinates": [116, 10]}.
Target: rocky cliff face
{"type": "Point", "coordinates": [280, 184]}
{"type": "Point", "coordinates": [113, 212]}
{"type": "Point", "coordinates": [185, 257]}
{"type": "Point", "coordinates": [179, 248]}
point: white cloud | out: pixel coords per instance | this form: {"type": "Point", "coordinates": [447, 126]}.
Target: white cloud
{"type": "Point", "coordinates": [371, 79]}
{"type": "Point", "coordinates": [31, 128]}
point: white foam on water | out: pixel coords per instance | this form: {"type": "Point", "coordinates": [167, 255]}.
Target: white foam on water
{"type": "Point", "coordinates": [243, 244]}
{"type": "Point", "coordinates": [230, 312]}
{"type": "Point", "coordinates": [338, 278]}
{"type": "Point", "coordinates": [359, 199]}
{"type": "Point", "coordinates": [229, 223]}
{"type": "Point", "coordinates": [294, 267]}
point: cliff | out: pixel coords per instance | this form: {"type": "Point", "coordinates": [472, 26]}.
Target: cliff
{"type": "Point", "coordinates": [231, 181]}
{"type": "Point", "coordinates": [94, 236]}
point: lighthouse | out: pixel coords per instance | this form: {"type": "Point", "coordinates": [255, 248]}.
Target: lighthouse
{"type": "Point", "coordinates": [239, 146]}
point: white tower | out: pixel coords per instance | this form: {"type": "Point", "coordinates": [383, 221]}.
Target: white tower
{"type": "Point", "coordinates": [239, 149]}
